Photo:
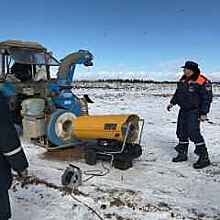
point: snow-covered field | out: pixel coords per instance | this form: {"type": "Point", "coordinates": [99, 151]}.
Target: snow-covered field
{"type": "Point", "coordinates": [154, 189]}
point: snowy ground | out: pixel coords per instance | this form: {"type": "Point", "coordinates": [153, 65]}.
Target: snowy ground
{"type": "Point", "coordinates": [154, 189]}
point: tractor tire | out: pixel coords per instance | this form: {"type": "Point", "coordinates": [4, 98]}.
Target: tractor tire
{"type": "Point", "coordinates": [122, 164]}
{"type": "Point", "coordinates": [137, 150]}
{"type": "Point", "coordinates": [132, 151]}
{"type": "Point", "coordinates": [91, 157]}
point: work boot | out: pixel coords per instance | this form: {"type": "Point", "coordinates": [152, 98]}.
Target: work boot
{"type": "Point", "coordinates": [203, 160]}
{"type": "Point", "coordinates": [182, 150]}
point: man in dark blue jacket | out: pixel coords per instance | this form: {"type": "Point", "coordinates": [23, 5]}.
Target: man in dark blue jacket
{"type": "Point", "coordinates": [11, 156]}
{"type": "Point", "coordinates": [194, 97]}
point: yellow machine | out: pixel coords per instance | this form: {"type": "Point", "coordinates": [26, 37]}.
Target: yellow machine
{"type": "Point", "coordinates": [102, 136]}
{"type": "Point", "coordinates": [109, 127]}
{"type": "Point", "coordinates": [70, 128]}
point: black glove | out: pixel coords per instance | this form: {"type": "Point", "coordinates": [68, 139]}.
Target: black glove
{"type": "Point", "coordinates": [12, 103]}
{"type": "Point", "coordinates": [169, 107]}
{"type": "Point", "coordinates": [203, 118]}
{"type": "Point", "coordinates": [23, 174]}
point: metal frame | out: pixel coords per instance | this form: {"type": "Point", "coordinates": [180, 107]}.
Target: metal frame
{"type": "Point", "coordinates": [141, 130]}
{"type": "Point", "coordinates": [111, 154]}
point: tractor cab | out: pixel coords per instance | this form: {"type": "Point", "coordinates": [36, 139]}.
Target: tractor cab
{"type": "Point", "coordinates": [27, 65]}
{"type": "Point", "coordinates": [25, 61]}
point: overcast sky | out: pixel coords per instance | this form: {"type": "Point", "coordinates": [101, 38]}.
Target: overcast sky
{"type": "Point", "coordinates": [129, 38]}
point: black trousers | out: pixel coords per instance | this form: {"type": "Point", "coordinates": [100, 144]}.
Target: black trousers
{"type": "Point", "coordinates": [5, 210]}
{"type": "Point", "coordinates": [188, 127]}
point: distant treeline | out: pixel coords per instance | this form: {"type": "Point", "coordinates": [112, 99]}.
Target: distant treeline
{"type": "Point", "coordinates": [124, 81]}
{"type": "Point", "coordinates": [130, 81]}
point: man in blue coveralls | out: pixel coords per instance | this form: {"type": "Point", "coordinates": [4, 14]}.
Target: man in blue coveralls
{"type": "Point", "coordinates": [194, 97]}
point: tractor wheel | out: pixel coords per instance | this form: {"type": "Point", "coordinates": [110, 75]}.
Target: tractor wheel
{"type": "Point", "coordinates": [137, 150]}
{"type": "Point", "coordinates": [122, 164]}
{"type": "Point", "coordinates": [91, 157]}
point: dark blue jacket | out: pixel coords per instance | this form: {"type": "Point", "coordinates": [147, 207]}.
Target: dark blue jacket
{"type": "Point", "coordinates": [193, 94]}
{"type": "Point", "coordinates": [11, 153]}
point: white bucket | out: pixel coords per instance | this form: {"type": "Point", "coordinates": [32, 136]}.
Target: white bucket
{"type": "Point", "coordinates": [33, 128]}
{"type": "Point", "coordinates": [33, 107]}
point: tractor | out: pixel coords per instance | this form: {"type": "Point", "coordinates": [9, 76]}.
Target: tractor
{"type": "Point", "coordinates": [46, 112]}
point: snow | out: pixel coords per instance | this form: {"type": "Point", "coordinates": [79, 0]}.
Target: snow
{"type": "Point", "coordinates": [155, 188]}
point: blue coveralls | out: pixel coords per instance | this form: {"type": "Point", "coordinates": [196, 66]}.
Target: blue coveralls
{"type": "Point", "coordinates": [194, 98]}
{"type": "Point", "coordinates": [11, 156]}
